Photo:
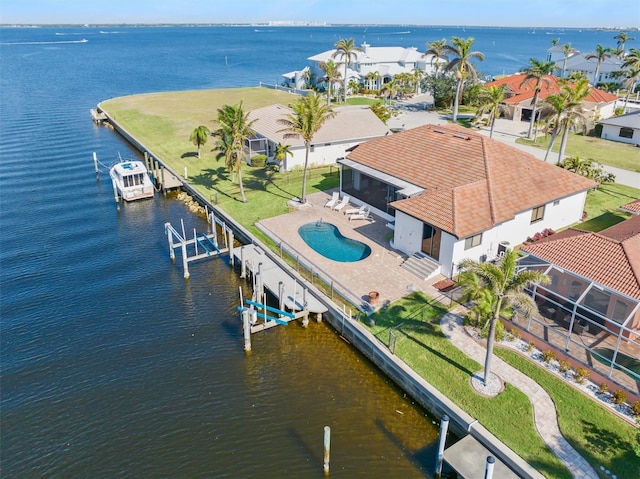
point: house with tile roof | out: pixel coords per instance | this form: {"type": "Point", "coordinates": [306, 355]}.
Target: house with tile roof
{"type": "Point", "coordinates": [519, 98]}
{"type": "Point", "coordinates": [633, 207]}
{"type": "Point", "coordinates": [348, 128]}
{"type": "Point", "coordinates": [450, 193]}
{"type": "Point", "coordinates": [624, 128]}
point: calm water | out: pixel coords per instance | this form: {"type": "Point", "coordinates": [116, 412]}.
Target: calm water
{"type": "Point", "coordinates": [113, 365]}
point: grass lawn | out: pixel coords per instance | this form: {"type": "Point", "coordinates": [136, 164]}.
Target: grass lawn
{"type": "Point", "coordinates": [601, 438]}
{"type": "Point", "coordinates": [606, 152]}
{"type": "Point", "coordinates": [602, 206]}
{"type": "Point", "coordinates": [421, 344]}
{"type": "Point", "coordinates": [362, 100]}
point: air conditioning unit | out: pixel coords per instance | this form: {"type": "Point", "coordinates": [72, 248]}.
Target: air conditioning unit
{"type": "Point", "coordinates": [502, 247]}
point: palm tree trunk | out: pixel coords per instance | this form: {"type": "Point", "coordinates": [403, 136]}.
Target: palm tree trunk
{"type": "Point", "coordinates": [533, 119]}
{"type": "Point", "coordinates": [198, 151]}
{"type": "Point", "coordinates": [303, 197]}
{"type": "Point", "coordinates": [493, 123]}
{"type": "Point", "coordinates": [563, 144]}
{"type": "Point", "coordinates": [344, 82]}
{"type": "Point", "coordinates": [456, 101]}
{"type": "Point", "coordinates": [626, 100]}
{"type": "Point", "coordinates": [554, 134]}
{"type": "Point", "coordinates": [491, 339]}
{"type": "Point", "coordinates": [244, 199]}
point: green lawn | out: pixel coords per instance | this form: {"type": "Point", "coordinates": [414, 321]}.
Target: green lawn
{"type": "Point", "coordinates": [606, 152]}
{"type": "Point", "coordinates": [362, 100]}
{"type": "Point", "coordinates": [421, 344]}
{"type": "Point", "coordinates": [603, 204]}
{"type": "Point", "coordinates": [601, 437]}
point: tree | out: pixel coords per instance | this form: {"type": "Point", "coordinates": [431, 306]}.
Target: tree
{"type": "Point", "coordinates": [372, 79]}
{"type": "Point", "coordinates": [233, 132]}
{"type": "Point", "coordinates": [507, 285]}
{"type": "Point", "coordinates": [600, 55]}
{"type": "Point", "coordinates": [331, 76]}
{"type": "Point", "coordinates": [540, 74]}
{"type": "Point", "coordinates": [491, 99]}
{"type": "Point", "coordinates": [567, 50]}
{"type": "Point", "coordinates": [281, 153]}
{"type": "Point", "coordinates": [390, 89]}
{"type": "Point", "coordinates": [586, 167]}
{"type": "Point", "coordinates": [381, 111]}
{"type": "Point", "coordinates": [442, 88]}
{"type": "Point", "coordinates": [460, 49]}
{"type": "Point", "coordinates": [417, 75]}
{"type": "Point", "coordinates": [436, 50]}
{"type": "Point", "coordinates": [346, 50]}
{"type": "Point", "coordinates": [631, 78]}
{"type": "Point", "coordinates": [622, 38]}
{"type": "Point", "coordinates": [308, 116]}
{"type": "Point", "coordinates": [554, 41]}
{"type": "Point", "coordinates": [199, 137]}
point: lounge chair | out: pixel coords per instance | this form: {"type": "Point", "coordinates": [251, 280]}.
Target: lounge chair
{"type": "Point", "coordinates": [343, 202]}
{"type": "Point", "coordinates": [365, 215]}
{"type": "Point", "coordinates": [355, 211]}
{"type": "Point", "coordinates": [332, 202]}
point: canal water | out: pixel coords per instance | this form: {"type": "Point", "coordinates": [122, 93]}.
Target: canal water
{"type": "Point", "coordinates": [112, 365]}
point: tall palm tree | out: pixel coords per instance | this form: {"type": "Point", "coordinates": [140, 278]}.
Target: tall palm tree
{"type": "Point", "coordinates": [567, 50]}
{"type": "Point", "coordinates": [631, 78]}
{"type": "Point", "coordinates": [309, 114]}
{"type": "Point", "coordinates": [372, 79]}
{"type": "Point", "coordinates": [622, 38]}
{"type": "Point", "coordinates": [233, 132]}
{"type": "Point", "coordinates": [331, 76]}
{"type": "Point", "coordinates": [460, 49]}
{"type": "Point", "coordinates": [417, 75]}
{"type": "Point", "coordinates": [600, 55]}
{"type": "Point", "coordinates": [573, 111]}
{"type": "Point", "coordinates": [436, 50]}
{"type": "Point", "coordinates": [507, 285]}
{"type": "Point", "coordinates": [539, 73]}
{"type": "Point", "coordinates": [199, 136]}
{"type": "Point", "coordinates": [491, 103]}
{"type": "Point", "coordinates": [346, 50]}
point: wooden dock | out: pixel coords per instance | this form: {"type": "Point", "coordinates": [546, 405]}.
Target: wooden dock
{"type": "Point", "coordinates": [274, 279]}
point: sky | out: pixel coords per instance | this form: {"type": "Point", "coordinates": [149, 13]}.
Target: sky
{"type": "Point", "coordinates": [523, 13]}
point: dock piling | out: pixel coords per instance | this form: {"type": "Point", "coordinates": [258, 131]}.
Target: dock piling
{"type": "Point", "coordinates": [95, 165]}
{"type": "Point", "coordinates": [444, 426]}
{"type": "Point", "coordinates": [488, 471]}
{"type": "Point", "coordinates": [230, 246]}
{"type": "Point", "coordinates": [249, 316]}
{"type": "Point", "coordinates": [327, 449]}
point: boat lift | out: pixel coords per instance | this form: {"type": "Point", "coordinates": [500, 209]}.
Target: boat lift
{"type": "Point", "coordinates": [202, 246]}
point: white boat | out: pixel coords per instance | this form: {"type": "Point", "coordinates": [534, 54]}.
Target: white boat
{"type": "Point", "coordinates": [132, 180]}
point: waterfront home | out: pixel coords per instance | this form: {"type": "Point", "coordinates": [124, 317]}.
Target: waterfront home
{"type": "Point", "coordinates": [386, 62]}
{"type": "Point", "coordinates": [624, 128]}
{"type": "Point", "coordinates": [578, 63]}
{"type": "Point", "coordinates": [348, 128]}
{"type": "Point", "coordinates": [449, 193]}
{"type": "Point", "coordinates": [519, 98]}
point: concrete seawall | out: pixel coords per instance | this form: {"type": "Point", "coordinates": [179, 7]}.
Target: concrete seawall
{"type": "Point", "coordinates": [370, 346]}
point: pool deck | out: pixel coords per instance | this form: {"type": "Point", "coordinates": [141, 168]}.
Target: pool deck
{"type": "Point", "coordinates": [380, 272]}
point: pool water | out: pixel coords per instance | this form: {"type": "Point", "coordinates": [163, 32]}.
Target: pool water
{"type": "Point", "coordinates": [326, 239]}
{"type": "Point", "coordinates": [632, 365]}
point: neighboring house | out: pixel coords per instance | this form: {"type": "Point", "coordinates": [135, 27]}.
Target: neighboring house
{"type": "Point", "coordinates": [577, 63]}
{"type": "Point", "coordinates": [386, 61]}
{"type": "Point", "coordinates": [519, 98]}
{"type": "Point", "coordinates": [624, 128]}
{"type": "Point", "coordinates": [633, 207]}
{"type": "Point", "coordinates": [348, 128]}
{"type": "Point", "coordinates": [595, 277]}
{"type": "Point", "coordinates": [452, 194]}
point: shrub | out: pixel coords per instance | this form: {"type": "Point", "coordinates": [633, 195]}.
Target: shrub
{"type": "Point", "coordinates": [515, 334]}
{"type": "Point", "coordinates": [603, 388]}
{"type": "Point", "coordinates": [635, 409]}
{"type": "Point", "coordinates": [531, 346]}
{"type": "Point", "coordinates": [619, 397]}
{"type": "Point", "coordinates": [548, 356]}
{"type": "Point", "coordinates": [564, 366]}
{"type": "Point", "coordinates": [258, 160]}
{"type": "Point", "coordinates": [581, 375]}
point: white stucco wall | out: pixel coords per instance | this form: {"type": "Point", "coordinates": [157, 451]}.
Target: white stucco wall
{"type": "Point", "coordinates": [407, 236]}
{"type": "Point", "coordinates": [321, 154]}
{"type": "Point", "coordinates": [610, 132]}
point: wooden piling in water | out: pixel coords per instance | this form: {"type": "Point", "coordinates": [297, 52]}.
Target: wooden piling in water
{"type": "Point", "coordinates": [327, 449]}
{"type": "Point", "coordinates": [444, 426]}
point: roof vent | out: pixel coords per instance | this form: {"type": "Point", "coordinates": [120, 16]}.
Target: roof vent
{"type": "Point", "coordinates": [442, 132]}
{"type": "Point", "coordinates": [462, 137]}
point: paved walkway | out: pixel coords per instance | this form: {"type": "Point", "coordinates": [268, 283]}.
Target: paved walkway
{"type": "Point", "coordinates": [544, 410]}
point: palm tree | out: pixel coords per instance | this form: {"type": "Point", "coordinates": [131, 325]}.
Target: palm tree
{"type": "Point", "coordinates": [573, 111]}
{"type": "Point", "coordinates": [436, 50]}
{"type": "Point", "coordinates": [347, 51]}
{"type": "Point", "coordinates": [199, 136]}
{"type": "Point", "coordinates": [308, 116]}
{"type": "Point", "coordinates": [491, 99]}
{"type": "Point", "coordinates": [622, 38]}
{"type": "Point", "coordinates": [331, 76]}
{"type": "Point", "coordinates": [460, 49]}
{"type": "Point", "coordinates": [281, 153]}
{"type": "Point", "coordinates": [390, 89]}
{"type": "Point", "coordinates": [417, 75]}
{"type": "Point", "coordinates": [233, 132]}
{"type": "Point", "coordinates": [540, 73]}
{"type": "Point", "coordinates": [372, 79]}
{"type": "Point", "coordinates": [600, 55]}
{"type": "Point", "coordinates": [567, 50]}
{"type": "Point", "coordinates": [631, 78]}
{"type": "Point", "coordinates": [632, 60]}
{"type": "Point", "coordinates": [507, 285]}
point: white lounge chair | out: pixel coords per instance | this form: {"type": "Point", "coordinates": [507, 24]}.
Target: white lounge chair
{"type": "Point", "coordinates": [355, 211]}
{"type": "Point", "coordinates": [332, 202]}
{"type": "Point", "coordinates": [343, 202]}
{"type": "Point", "coordinates": [365, 215]}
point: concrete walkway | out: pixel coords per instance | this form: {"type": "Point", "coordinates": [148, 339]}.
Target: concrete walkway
{"type": "Point", "coordinates": [544, 410]}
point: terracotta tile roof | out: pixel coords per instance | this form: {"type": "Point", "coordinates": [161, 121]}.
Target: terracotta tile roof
{"type": "Point", "coordinates": [610, 258]}
{"type": "Point", "coordinates": [633, 207]}
{"type": "Point", "coordinates": [472, 182]}
{"type": "Point", "coordinates": [354, 124]}
{"type": "Point", "coordinates": [524, 93]}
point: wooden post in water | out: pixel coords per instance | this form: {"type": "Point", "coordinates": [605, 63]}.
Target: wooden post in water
{"type": "Point", "coordinates": [115, 195]}
{"type": "Point", "coordinates": [147, 162]}
{"type": "Point", "coordinates": [444, 426]}
{"type": "Point", "coordinates": [164, 190]}
{"type": "Point", "coordinates": [327, 449]}
{"type": "Point", "coordinates": [155, 171]}
{"type": "Point", "coordinates": [488, 471]}
{"type": "Point", "coordinates": [230, 247]}
{"type": "Point", "coordinates": [281, 296]}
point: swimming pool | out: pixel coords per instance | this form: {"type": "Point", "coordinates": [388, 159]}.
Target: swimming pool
{"type": "Point", "coordinates": [632, 365]}
{"type": "Point", "coordinates": [326, 239]}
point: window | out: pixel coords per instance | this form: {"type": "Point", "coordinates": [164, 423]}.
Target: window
{"type": "Point", "coordinates": [473, 241]}
{"type": "Point", "coordinates": [556, 202]}
{"type": "Point", "coordinates": [537, 214]}
{"type": "Point", "coordinates": [620, 312]}
{"type": "Point", "coordinates": [626, 132]}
